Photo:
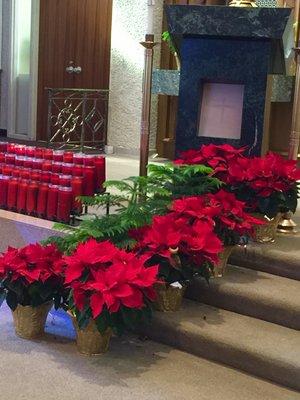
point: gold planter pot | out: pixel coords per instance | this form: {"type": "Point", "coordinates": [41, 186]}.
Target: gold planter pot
{"type": "Point", "coordinates": [266, 233]}
{"type": "Point", "coordinates": [169, 298]}
{"type": "Point", "coordinates": [220, 268]}
{"type": "Point", "coordinates": [30, 321]}
{"type": "Point", "coordinates": [90, 341]}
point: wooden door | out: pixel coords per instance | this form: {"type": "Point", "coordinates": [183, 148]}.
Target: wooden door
{"type": "Point", "coordinates": [72, 33]}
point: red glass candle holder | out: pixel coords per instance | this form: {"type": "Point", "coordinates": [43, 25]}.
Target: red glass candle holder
{"type": "Point", "coordinates": [77, 170]}
{"type": "Point", "coordinates": [100, 171]}
{"type": "Point", "coordinates": [48, 154]}
{"type": "Point", "coordinates": [41, 208]}
{"type": "Point", "coordinates": [27, 162]}
{"type": "Point", "coordinates": [58, 155]}
{"type": "Point", "coordinates": [30, 151]}
{"type": "Point", "coordinates": [52, 202]}
{"type": "Point", "coordinates": [25, 173]}
{"type": "Point", "coordinates": [78, 158]}
{"type": "Point", "coordinates": [37, 163]}
{"type": "Point", "coordinates": [56, 167]}
{"type": "Point", "coordinates": [89, 160]}
{"type": "Point", "coordinates": [11, 148]}
{"type": "Point", "coordinates": [65, 180]}
{"type": "Point", "coordinates": [22, 195]}
{"type": "Point", "coordinates": [7, 170]}
{"type": "Point", "coordinates": [67, 169]}
{"type": "Point", "coordinates": [89, 180]}
{"type": "Point", "coordinates": [39, 152]}
{"type": "Point", "coordinates": [19, 161]}
{"type": "Point", "coordinates": [3, 147]}
{"type": "Point", "coordinates": [31, 200]}
{"type": "Point", "coordinates": [3, 190]}
{"type": "Point", "coordinates": [77, 190]}
{"type": "Point", "coordinates": [54, 179]}
{"type": "Point", "coordinates": [45, 176]}
{"type": "Point", "coordinates": [10, 158]}
{"type": "Point", "coordinates": [36, 175]}
{"type": "Point", "coordinates": [68, 157]}
{"type": "Point", "coordinates": [47, 166]}
{"type": "Point", "coordinates": [65, 197]}
{"type": "Point", "coordinates": [12, 192]}
{"type": "Point", "coordinates": [15, 172]}
{"type": "Point", "coordinates": [2, 157]}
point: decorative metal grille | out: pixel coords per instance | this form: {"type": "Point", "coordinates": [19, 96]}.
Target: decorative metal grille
{"type": "Point", "coordinates": [266, 3]}
{"type": "Point", "coordinates": [77, 118]}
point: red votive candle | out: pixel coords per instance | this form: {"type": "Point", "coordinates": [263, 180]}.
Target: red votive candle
{"type": "Point", "coordinates": [45, 176]}
{"type": "Point", "coordinates": [68, 157]}
{"type": "Point", "coordinates": [10, 159]}
{"type": "Point", "coordinates": [3, 190]}
{"type": "Point", "coordinates": [25, 173]}
{"type": "Point", "coordinates": [22, 195]}
{"type": "Point", "coordinates": [78, 158]}
{"type": "Point", "coordinates": [58, 155]}
{"type": "Point", "coordinates": [48, 154]}
{"type": "Point", "coordinates": [52, 202]}
{"type": "Point", "coordinates": [19, 161]}
{"type": "Point", "coordinates": [39, 152]}
{"type": "Point", "coordinates": [37, 163]}
{"type": "Point", "coordinates": [47, 166]}
{"type": "Point", "coordinates": [65, 180]}
{"type": "Point", "coordinates": [27, 162]}
{"type": "Point", "coordinates": [7, 170]}
{"type": "Point", "coordinates": [30, 151]}
{"type": "Point", "coordinates": [54, 179]}
{"type": "Point", "coordinates": [67, 169]}
{"type": "Point", "coordinates": [2, 157]}
{"type": "Point", "coordinates": [12, 191]}
{"type": "Point", "coordinates": [77, 170]}
{"type": "Point", "coordinates": [88, 180]}
{"type": "Point", "coordinates": [36, 175]}
{"type": "Point", "coordinates": [77, 190]}
{"type": "Point", "coordinates": [65, 197]}
{"type": "Point", "coordinates": [100, 173]}
{"type": "Point", "coordinates": [3, 147]}
{"type": "Point", "coordinates": [31, 199]}
{"type": "Point", "coordinates": [41, 207]}
{"type": "Point", "coordinates": [88, 160]}
{"type": "Point", "coordinates": [15, 172]}
{"type": "Point", "coordinates": [56, 167]}
{"type": "Point", "coordinates": [11, 148]}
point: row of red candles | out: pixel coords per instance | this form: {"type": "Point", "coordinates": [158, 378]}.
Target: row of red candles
{"type": "Point", "coordinates": [43, 200]}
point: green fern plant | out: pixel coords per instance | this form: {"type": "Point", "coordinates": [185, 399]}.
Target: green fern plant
{"type": "Point", "coordinates": [135, 201]}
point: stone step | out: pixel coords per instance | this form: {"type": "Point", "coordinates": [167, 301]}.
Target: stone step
{"type": "Point", "coordinates": [258, 347]}
{"type": "Point", "coordinates": [253, 293]}
{"type": "Point", "coordinates": [279, 258]}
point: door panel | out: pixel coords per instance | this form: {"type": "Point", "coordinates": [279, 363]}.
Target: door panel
{"type": "Point", "coordinates": [75, 31]}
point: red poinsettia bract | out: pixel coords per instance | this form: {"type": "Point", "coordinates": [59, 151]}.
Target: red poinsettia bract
{"type": "Point", "coordinates": [31, 263]}
{"type": "Point", "coordinates": [113, 279]}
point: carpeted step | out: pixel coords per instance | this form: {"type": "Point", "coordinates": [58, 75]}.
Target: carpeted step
{"type": "Point", "coordinates": [261, 348]}
{"type": "Point", "coordinates": [254, 293]}
{"type": "Point", "coordinates": [280, 258]}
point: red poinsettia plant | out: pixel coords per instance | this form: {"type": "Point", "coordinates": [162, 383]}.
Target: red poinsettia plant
{"type": "Point", "coordinates": [267, 185]}
{"type": "Point", "coordinates": [231, 223]}
{"type": "Point", "coordinates": [109, 285]}
{"type": "Point", "coordinates": [183, 247]}
{"type": "Point", "coordinates": [31, 276]}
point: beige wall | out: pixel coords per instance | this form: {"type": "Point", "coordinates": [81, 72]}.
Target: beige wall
{"type": "Point", "coordinates": [129, 26]}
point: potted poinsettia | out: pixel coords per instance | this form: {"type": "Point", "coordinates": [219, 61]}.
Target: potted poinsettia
{"type": "Point", "coordinates": [110, 290]}
{"type": "Point", "coordinates": [268, 185]}
{"type": "Point", "coordinates": [231, 223]}
{"type": "Point", "coordinates": [30, 280]}
{"type": "Point", "coordinates": [182, 250]}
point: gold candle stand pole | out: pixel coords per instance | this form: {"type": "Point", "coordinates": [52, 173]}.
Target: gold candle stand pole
{"type": "Point", "coordinates": [146, 104]}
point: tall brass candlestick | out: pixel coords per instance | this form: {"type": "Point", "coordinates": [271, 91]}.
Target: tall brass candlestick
{"type": "Point", "coordinates": [146, 104]}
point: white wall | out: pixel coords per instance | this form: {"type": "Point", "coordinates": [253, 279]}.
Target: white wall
{"type": "Point", "coordinates": [129, 26]}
